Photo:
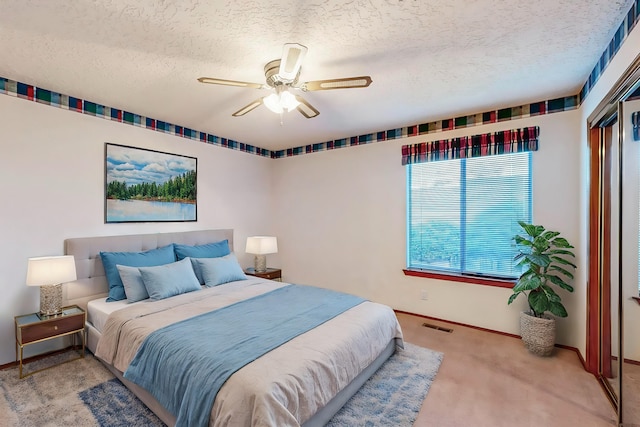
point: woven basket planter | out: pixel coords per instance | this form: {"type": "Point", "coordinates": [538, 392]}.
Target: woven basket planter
{"type": "Point", "coordinates": [538, 333]}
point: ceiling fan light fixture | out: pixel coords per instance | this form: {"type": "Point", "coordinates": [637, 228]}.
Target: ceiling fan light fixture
{"type": "Point", "coordinates": [288, 101]}
{"type": "Point", "coordinates": [272, 102]}
{"type": "Point", "coordinates": [281, 101]}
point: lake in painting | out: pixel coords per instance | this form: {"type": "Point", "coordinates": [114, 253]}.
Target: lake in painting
{"type": "Point", "coordinates": [140, 210]}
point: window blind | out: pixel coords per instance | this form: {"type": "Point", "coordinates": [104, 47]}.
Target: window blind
{"type": "Point", "coordinates": [463, 213]}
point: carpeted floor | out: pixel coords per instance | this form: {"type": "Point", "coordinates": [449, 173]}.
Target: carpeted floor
{"type": "Point", "coordinates": [85, 393]}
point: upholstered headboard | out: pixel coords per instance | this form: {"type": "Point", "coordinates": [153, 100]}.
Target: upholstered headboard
{"type": "Point", "coordinates": [92, 282]}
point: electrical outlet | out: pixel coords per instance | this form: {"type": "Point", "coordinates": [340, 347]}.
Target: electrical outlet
{"type": "Point", "coordinates": [423, 295]}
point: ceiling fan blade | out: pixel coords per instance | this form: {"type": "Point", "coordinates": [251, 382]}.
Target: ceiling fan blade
{"type": "Point", "coordinates": [292, 56]}
{"type": "Point", "coordinates": [249, 107]}
{"type": "Point", "coordinates": [215, 81]}
{"type": "Point", "coordinates": [344, 83]}
{"type": "Point", "coordinates": [306, 109]}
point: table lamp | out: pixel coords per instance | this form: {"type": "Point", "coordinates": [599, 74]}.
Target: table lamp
{"type": "Point", "coordinates": [260, 246]}
{"type": "Point", "coordinates": [50, 273]}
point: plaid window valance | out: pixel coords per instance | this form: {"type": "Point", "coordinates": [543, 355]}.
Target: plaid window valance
{"type": "Point", "coordinates": [635, 122]}
{"type": "Point", "coordinates": [488, 144]}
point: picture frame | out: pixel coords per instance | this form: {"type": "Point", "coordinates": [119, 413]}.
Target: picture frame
{"type": "Point", "coordinates": [143, 185]}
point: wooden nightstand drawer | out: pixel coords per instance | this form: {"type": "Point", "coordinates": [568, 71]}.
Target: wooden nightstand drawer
{"type": "Point", "coordinates": [270, 274]}
{"type": "Point", "coordinates": [43, 330]}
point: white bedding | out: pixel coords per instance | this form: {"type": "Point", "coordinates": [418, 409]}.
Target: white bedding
{"type": "Point", "coordinates": [98, 310]}
{"type": "Point", "coordinates": [286, 386]}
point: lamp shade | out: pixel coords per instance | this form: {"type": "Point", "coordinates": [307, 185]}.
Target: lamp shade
{"type": "Point", "coordinates": [262, 245]}
{"type": "Point", "coordinates": [51, 270]}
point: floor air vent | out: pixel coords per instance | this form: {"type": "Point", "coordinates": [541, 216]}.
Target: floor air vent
{"type": "Point", "coordinates": [437, 328]}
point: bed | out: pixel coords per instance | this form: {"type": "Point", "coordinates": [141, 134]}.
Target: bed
{"type": "Point", "coordinates": [304, 381]}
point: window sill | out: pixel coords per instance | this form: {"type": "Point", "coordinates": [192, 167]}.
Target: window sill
{"type": "Point", "coordinates": [475, 280]}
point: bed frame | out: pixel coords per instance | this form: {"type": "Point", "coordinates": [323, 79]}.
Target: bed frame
{"type": "Point", "coordinates": [92, 284]}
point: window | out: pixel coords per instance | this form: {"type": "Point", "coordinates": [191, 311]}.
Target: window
{"type": "Point", "coordinates": [463, 214]}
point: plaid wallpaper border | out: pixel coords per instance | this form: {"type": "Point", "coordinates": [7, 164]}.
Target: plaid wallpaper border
{"type": "Point", "coordinates": [629, 22]}
{"type": "Point", "coordinates": [44, 96]}
{"type": "Point", "coordinates": [513, 113]}
{"type": "Point", "coordinates": [66, 102]}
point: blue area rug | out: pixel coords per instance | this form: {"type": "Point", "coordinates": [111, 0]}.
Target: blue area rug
{"type": "Point", "coordinates": [84, 393]}
{"type": "Point", "coordinates": [113, 405]}
{"type": "Point", "coordinates": [392, 397]}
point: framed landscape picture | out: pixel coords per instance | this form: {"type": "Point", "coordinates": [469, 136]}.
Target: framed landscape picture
{"type": "Point", "coordinates": [149, 186]}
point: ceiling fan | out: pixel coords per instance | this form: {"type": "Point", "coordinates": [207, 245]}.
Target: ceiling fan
{"type": "Point", "coordinates": [282, 76]}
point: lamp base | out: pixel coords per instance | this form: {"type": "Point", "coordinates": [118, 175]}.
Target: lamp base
{"type": "Point", "coordinates": [260, 263]}
{"type": "Point", "coordinates": [50, 300]}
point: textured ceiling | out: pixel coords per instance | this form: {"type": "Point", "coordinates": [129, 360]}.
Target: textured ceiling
{"type": "Point", "coordinates": [429, 59]}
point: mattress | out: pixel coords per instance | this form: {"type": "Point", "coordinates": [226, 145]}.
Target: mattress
{"type": "Point", "coordinates": [98, 311]}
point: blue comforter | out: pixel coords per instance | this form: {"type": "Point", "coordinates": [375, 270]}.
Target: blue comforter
{"type": "Point", "coordinates": [184, 365]}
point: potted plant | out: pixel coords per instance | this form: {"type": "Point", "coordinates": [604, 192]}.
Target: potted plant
{"type": "Point", "coordinates": [545, 259]}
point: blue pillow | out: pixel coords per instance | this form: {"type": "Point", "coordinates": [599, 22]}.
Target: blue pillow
{"type": "Point", "coordinates": [210, 250]}
{"type": "Point", "coordinates": [133, 284]}
{"type": "Point", "coordinates": [217, 271]}
{"type": "Point", "coordinates": [167, 280]}
{"type": "Point", "coordinates": [163, 255]}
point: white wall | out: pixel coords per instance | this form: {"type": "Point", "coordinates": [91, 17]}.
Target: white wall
{"type": "Point", "coordinates": [341, 223]}
{"type": "Point", "coordinates": [52, 188]}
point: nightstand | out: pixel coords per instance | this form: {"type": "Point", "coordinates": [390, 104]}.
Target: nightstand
{"type": "Point", "coordinates": [33, 328]}
{"type": "Point", "coordinates": [271, 274]}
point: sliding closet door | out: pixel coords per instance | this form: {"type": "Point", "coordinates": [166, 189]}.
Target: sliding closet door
{"type": "Point", "coordinates": [629, 260]}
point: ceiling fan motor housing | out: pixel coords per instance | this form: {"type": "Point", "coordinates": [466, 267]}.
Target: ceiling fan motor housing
{"type": "Point", "coordinates": [273, 78]}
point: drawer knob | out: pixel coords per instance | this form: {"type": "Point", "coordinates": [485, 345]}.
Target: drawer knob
{"type": "Point", "coordinates": [55, 328]}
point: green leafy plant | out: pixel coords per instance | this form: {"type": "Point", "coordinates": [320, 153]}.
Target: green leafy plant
{"type": "Point", "coordinates": [544, 256]}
